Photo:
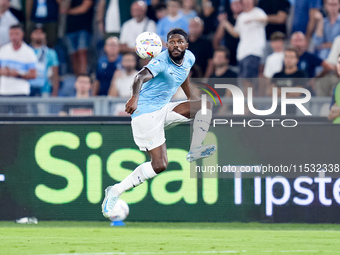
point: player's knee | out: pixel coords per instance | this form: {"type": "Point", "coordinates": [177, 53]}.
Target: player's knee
{"type": "Point", "coordinates": [159, 165]}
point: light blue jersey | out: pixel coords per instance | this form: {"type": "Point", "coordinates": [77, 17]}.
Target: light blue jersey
{"type": "Point", "coordinates": [157, 92]}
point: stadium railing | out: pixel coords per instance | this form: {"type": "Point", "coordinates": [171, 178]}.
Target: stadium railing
{"type": "Point", "coordinates": [106, 106]}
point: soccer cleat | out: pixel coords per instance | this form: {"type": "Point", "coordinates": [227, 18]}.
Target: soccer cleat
{"type": "Point", "coordinates": [109, 201]}
{"type": "Point", "coordinates": [203, 151]}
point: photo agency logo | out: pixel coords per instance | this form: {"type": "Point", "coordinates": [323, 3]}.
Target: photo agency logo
{"type": "Point", "coordinates": [242, 107]}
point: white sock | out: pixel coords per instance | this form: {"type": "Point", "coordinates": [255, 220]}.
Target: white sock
{"type": "Point", "coordinates": [200, 128]}
{"type": "Point", "coordinates": [137, 177]}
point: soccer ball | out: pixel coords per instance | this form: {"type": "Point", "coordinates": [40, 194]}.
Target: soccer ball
{"type": "Point", "coordinates": [148, 45]}
{"type": "Point", "coordinates": [120, 211]}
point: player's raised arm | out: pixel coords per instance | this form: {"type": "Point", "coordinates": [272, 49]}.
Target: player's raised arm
{"type": "Point", "coordinates": [186, 88]}
{"type": "Point", "coordinates": [142, 76]}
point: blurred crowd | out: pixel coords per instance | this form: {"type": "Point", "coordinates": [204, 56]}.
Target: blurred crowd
{"type": "Point", "coordinates": [84, 48]}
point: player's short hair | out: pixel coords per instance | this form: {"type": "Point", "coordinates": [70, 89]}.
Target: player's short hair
{"type": "Point", "coordinates": [292, 49]}
{"type": "Point", "coordinates": [224, 50]}
{"type": "Point", "coordinates": [17, 26]}
{"type": "Point", "coordinates": [278, 36]}
{"type": "Point", "coordinates": [179, 31]}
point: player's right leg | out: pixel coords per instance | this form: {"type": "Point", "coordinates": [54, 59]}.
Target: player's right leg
{"type": "Point", "coordinates": [147, 170]}
{"type": "Point", "coordinates": [148, 133]}
{"type": "Point", "coordinates": [192, 109]}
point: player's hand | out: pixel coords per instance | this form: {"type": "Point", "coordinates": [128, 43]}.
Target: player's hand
{"type": "Point", "coordinates": [131, 105]}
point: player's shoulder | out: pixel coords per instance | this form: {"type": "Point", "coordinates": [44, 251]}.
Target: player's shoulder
{"type": "Point", "coordinates": [161, 58]}
{"type": "Point", "coordinates": [163, 55]}
{"type": "Point", "coordinates": [190, 56]}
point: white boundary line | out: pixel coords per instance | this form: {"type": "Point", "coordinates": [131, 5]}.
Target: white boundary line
{"type": "Point", "coordinates": [145, 253]}
{"type": "Point", "coordinates": [191, 252]}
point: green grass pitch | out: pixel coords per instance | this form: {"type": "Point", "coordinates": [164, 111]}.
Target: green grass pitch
{"type": "Point", "coordinates": [168, 238]}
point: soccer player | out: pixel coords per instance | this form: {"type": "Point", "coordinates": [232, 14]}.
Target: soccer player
{"type": "Point", "coordinates": [151, 112]}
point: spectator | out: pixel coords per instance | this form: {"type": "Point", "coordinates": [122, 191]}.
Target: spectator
{"type": "Point", "coordinates": [334, 112]}
{"type": "Point", "coordinates": [106, 67]}
{"type": "Point", "coordinates": [197, 43]}
{"type": "Point", "coordinates": [47, 60]}
{"type": "Point", "coordinates": [304, 17]}
{"type": "Point", "coordinates": [188, 9]}
{"type": "Point", "coordinates": [327, 28]}
{"type": "Point", "coordinates": [209, 16]}
{"type": "Point", "coordinates": [172, 20]}
{"type": "Point", "coordinates": [230, 42]}
{"type": "Point", "coordinates": [250, 28]}
{"type": "Point", "coordinates": [290, 76]}
{"type": "Point", "coordinates": [111, 14]}
{"type": "Point", "coordinates": [83, 91]}
{"type": "Point", "coordinates": [122, 81]}
{"type": "Point", "coordinates": [221, 65]}
{"type": "Point", "coordinates": [7, 19]}
{"type": "Point", "coordinates": [274, 62]}
{"type": "Point", "coordinates": [308, 61]}
{"type": "Point", "coordinates": [133, 27]}
{"type": "Point", "coordinates": [17, 66]}
{"type": "Point", "coordinates": [78, 32]}
{"type": "Point", "coordinates": [161, 11]}
{"type": "Point", "coordinates": [16, 8]}
{"type": "Point", "coordinates": [43, 12]}
{"type": "Point", "coordinates": [334, 52]}
{"type": "Point", "coordinates": [277, 12]}
{"type": "Point", "coordinates": [123, 77]}
{"type": "Point", "coordinates": [151, 12]}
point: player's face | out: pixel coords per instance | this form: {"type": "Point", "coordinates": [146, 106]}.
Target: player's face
{"type": "Point", "coordinates": [176, 46]}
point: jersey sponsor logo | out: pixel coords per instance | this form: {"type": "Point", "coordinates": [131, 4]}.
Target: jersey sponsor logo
{"type": "Point", "coordinates": [154, 62]}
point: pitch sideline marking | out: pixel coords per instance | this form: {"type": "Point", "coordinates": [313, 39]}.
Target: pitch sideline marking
{"type": "Point", "coordinates": [142, 253]}
{"type": "Point", "coordinates": [186, 252]}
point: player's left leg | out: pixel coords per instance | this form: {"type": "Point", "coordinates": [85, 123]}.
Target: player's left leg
{"type": "Point", "coordinates": [192, 109]}
{"type": "Point", "coordinates": [143, 172]}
